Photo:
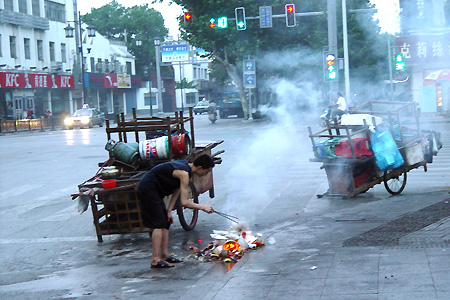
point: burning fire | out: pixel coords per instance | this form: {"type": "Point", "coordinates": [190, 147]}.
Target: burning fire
{"type": "Point", "coordinates": [229, 245]}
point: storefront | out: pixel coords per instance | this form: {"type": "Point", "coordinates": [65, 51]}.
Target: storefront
{"type": "Point", "coordinates": [427, 63]}
{"type": "Point", "coordinates": [25, 95]}
{"type": "Point", "coordinates": [112, 93]}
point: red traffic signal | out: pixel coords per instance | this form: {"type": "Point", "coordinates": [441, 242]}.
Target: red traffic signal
{"type": "Point", "coordinates": [188, 18]}
{"type": "Point", "coordinates": [290, 15]}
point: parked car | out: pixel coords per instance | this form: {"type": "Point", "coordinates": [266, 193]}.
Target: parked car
{"type": "Point", "coordinates": [230, 107]}
{"type": "Point", "coordinates": [201, 107]}
{"type": "Point", "coordinates": [85, 117]}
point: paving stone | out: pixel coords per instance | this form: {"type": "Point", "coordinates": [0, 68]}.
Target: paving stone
{"type": "Point", "coordinates": [391, 233]}
{"type": "Point", "coordinates": [408, 296]}
{"type": "Point", "coordinates": [362, 284]}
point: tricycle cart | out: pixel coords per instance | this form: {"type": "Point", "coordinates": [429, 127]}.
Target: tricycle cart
{"type": "Point", "coordinates": [347, 155]}
{"type": "Point", "coordinates": [114, 201]}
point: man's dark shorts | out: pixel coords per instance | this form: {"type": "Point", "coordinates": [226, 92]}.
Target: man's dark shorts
{"type": "Point", "coordinates": [153, 208]}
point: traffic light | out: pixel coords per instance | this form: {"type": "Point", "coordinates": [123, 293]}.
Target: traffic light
{"type": "Point", "coordinates": [222, 22]}
{"type": "Point", "coordinates": [187, 18]}
{"type": "Point", "coordinates": [330, 66]}
{"type": "Point", "coordinates": [240, 18]}
{"type": "Point", "coordinates": [399, 63]}
{"type": "Point", "coordinates": [290, 15]}
{"type": "Point", "coordinates": [212, 23]}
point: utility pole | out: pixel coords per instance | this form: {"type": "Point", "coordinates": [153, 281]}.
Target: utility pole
{"type": "Point", "coordinates": [345, 38]}
{"type": "Point", "coordinates": [332, 40]}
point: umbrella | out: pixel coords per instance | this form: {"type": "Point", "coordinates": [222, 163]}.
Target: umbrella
{"type": "Point", "coordinates": [438, 75]}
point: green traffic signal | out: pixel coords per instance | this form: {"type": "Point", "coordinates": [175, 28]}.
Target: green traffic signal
{"type": "Point", "coordinates": [399, 63]}
{"type": "Point", "coordinates": [222, 22]}
{"type": "Point", "coordinates": [240, 18]}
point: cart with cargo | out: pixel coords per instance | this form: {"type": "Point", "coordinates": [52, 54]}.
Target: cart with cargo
{"type": "Point", "coordinates": [134, 147]}
{"type": "Point", "coordinates": [379, 142]}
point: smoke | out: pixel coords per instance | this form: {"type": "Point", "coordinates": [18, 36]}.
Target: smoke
{"type": "Point", "coordinates": [252, 180]}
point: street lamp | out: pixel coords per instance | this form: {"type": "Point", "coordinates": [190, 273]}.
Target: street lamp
{"type": "Point", "coordinates": [158, 72]}
{"type": "Point", "coordinates": [70, 34]}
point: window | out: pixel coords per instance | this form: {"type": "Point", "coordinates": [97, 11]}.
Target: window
{"type": "Point", "coordinates": [1, 46]}
{"type": "Point", "coordinates": [147, 100]}
{"type": "Point", "coordinates": [12, 46]}
{"type": "Point", "coordinates": [36, 8]}
{"type": "Point", "coordinates": [40, 50]}
{"type": "Point", "coordinates": [26, 46]}
{"type": "Point", "coordinates": [51, 46]}
{"type": "Point", "coordinates": [92, 64]}
{"type": "Point", "coordinates": [9, 5]}
{"type": "Point", "coordinates": [63, 53]}
{"type": "Point", "coordinates": [128, 67]}
{"type": "Point", "coordinates": [106, 66]}
{"type": "Point", "coordinates": [55, 11]}
{"type": "Point", "coordinates": [23, 6]}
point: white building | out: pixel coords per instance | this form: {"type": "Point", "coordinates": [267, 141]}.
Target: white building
{"type": "Point", "coordinates": [40, 68]}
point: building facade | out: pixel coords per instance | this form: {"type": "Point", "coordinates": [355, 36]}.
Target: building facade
{"type": "Point", "coordinates": [40, 68]}
{"type": "Point", "coordinates": [424, 44]}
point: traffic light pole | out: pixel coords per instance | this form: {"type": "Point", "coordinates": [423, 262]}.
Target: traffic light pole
{"type": "Point", "coordinates": [390, 68]}
{"type": "Point", "coordinates": [332, 43]}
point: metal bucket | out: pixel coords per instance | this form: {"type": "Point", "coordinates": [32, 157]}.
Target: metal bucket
{"type": "Point", "coordinates": [154, 148]}
{"type": "Point", "coordinates": [181, 145]}
{"type": "Point", "coordinates": [123, 152]}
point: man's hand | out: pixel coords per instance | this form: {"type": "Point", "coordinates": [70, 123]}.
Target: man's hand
{"type": "Point", "coordinates": [169, 217]}
{"type": "Point", "coordinates": [207, 208]}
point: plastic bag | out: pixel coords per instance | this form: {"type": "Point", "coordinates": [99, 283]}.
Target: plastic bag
{"type": "Point", "coordinates": [387, 155]}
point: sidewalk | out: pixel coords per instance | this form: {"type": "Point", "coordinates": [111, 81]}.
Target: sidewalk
{"type": "Point", "coordinates": [310, 259]}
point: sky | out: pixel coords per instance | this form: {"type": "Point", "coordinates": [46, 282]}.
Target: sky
{"type": "Point", "coordinates": [387, 12]}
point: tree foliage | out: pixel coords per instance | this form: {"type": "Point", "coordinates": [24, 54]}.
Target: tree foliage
{"type": "Point", "coordinates": [117, 22]}
{"type": "Point", "coordinates": [282, 51]}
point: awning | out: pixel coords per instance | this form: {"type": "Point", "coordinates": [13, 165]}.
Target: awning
{"type": "Point", "coordinates": [438, 75]}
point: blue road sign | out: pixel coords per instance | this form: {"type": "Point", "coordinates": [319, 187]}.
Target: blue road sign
{"type": "Point", "coordinates": [249, 66]}
{"type": "Point", "coordinates": [265, 17]}
{"type": "Point", "coordinates": [249, 81]}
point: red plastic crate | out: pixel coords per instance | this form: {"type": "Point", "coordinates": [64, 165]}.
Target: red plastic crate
{"type": "Point", "coordinates": [360, 146]}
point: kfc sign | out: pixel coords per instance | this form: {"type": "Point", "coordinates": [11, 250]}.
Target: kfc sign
{"type": "Point", "coordinates": [36, 81]}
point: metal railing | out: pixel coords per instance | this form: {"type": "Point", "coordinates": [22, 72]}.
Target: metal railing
{"type": "Point", "coordinates": [41, 124]}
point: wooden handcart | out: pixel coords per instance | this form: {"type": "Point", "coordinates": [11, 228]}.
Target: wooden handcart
{"type": "Point", "coordinates": [353, 170]}
{"type": "Point", "coordinates": [115, 208]}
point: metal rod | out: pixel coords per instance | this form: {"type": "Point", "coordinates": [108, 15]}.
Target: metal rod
{"type": "Point", "coordinates": [229, 217]}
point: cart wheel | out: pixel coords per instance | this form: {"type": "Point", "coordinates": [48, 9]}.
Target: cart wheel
{"type": "Point", "coordinates": [187, 216]}
{"type": "Point", "coordinates": [396, 184]}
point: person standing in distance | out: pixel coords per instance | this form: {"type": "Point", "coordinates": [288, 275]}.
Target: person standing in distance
{"type": "Point", "coordinates": [170, 178]}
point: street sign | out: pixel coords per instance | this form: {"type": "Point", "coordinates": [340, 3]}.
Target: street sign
{"type": "Point", "coordinates": [249, 81]}
{"type": "Point", "coordinates": [249, 66]}
{"type": "Point", "coordinates": [175, 53]}
{"type": "Point", "coordinates": [265, 17]}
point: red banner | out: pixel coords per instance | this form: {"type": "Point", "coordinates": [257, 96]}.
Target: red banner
{"type": "Point", "coordinates": [110, 81]}
{"type": "Point", "coordinates": [36, 81]}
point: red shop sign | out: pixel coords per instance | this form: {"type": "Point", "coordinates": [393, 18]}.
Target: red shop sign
{"type": "Point", "coordinates": [36, 81]}
{"type": "Point", "coordinates": [110, 81]}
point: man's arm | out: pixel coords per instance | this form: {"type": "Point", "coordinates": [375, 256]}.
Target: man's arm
{"type": "Point", "coordinates": [184, 183]}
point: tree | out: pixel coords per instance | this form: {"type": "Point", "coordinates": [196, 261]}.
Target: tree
{"type": "Point", "coordinates": [184, 84]}
{"type": "Point", "coordinates": [116, 22]}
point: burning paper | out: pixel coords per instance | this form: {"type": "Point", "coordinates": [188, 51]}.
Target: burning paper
{"type": "Point", "coordinates": [229, 245]}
